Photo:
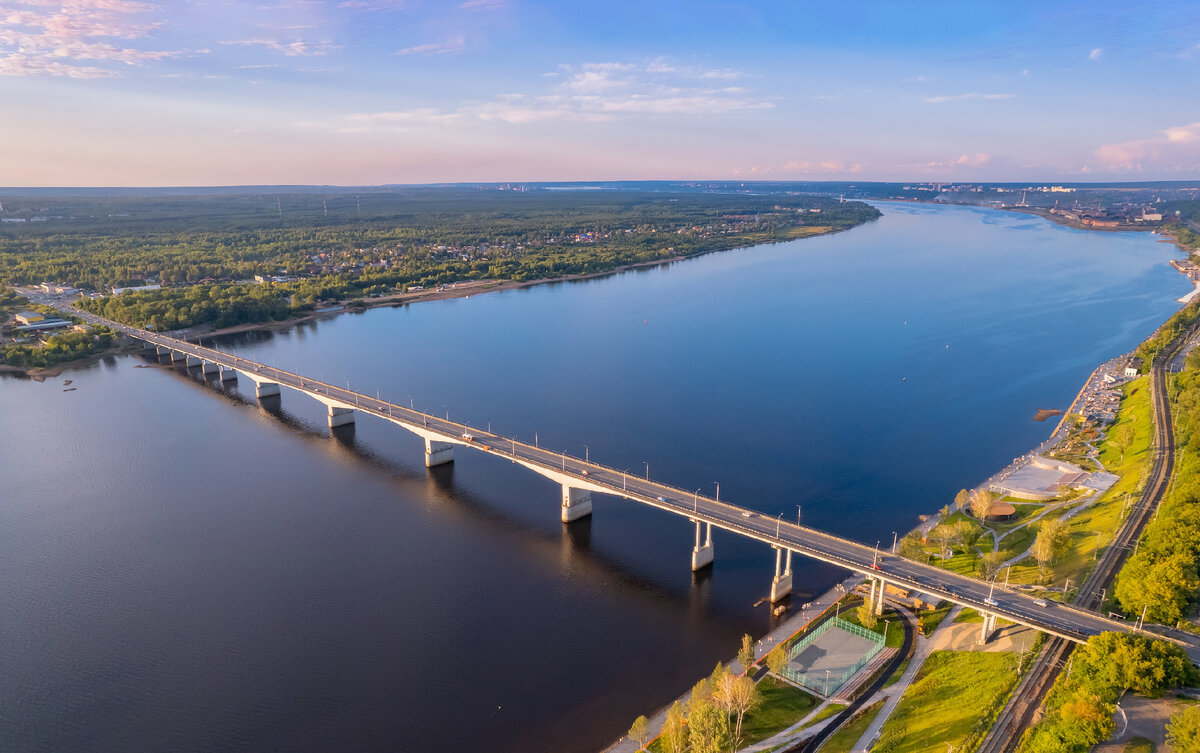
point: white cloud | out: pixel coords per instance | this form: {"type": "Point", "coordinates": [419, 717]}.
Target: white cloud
{"type": "Point", "coordinates": [49, 38]}
{"type": "Point", "coordinates": [483, 4]}
{"type": "Point", "coordinates": [941, 98]}
{"type": "Point", "coordinates": [823, 167]}
{"type": "Point", "coordinates": [1175, 148]}
{"type": "Point", "coordinates": [973, 160]}
{"type": "Point", "coordinates": [296, 48]}
{"type": "Point", "coordinates": [1095, 53]}
{"type": "Point", "coordinates": [588, 92]}
{"type": "Point", "coordinates": [436, 48]}
{"type": "Point", "coordinates": [397, 120]}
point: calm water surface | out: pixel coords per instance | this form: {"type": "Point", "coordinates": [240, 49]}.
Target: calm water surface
{"type": "Point", "coordinates": [184, 570]}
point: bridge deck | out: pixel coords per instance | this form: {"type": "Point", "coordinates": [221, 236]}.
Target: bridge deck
{"type": "Point", "coordinates": [1057, 619]}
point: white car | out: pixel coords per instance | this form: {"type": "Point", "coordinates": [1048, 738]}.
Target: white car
{"type": "Point", "coordinates": [991, 602]}
{"type": "Point", "coordinates": [1040, 602]}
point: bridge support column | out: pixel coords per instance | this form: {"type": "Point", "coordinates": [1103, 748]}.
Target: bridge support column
{"type": "Point", "coordinates": [162, 350]}
{"type": "Point", "coordinates": [989, 627]}
{"type": "Point", "coordinates": [576, 503]}
{"type": "Point", "coordinates": [879, 597]}
{"type": "Point", "coordinates": [438, 453]}
{"type": "Point", "coordinates": [340, 416]}
{"type": "Point", "coordinates": [228, 374]}
{"type": "Point", "coordinates": [266, 389]}
{"type": "Point", "coordinates": [210, 367]}
{"type": "Point", "coordinates": [702, 554]}
{"type": "Point", "coordinates": [177, 356]}
{"type": "Point", "coordinates": [781, 586]}
{"type": "Point", "coordinates": [193, 361]}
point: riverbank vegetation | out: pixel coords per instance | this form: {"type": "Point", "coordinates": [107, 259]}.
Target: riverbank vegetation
{"type": "Point", "coordinates": [1161, 577]}
{"type": "Point", "coordinates": [1162, 337]}
{"type": "Point", "coordinates": [1080, 705]}
{"type": "Point", "coordinates": [60, 348]}
{"type": "Point", "coordinates": [205, 249]}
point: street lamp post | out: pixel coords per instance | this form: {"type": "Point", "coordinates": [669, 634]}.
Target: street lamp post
{"type": "Point", "coordinates": [696, 501]}
{"type": "Point", "coordinates": [893, 542]}
{"type": "Point", "coordinates": [647, 470]}
{"type": "Point", "coordinates": [778, 522]}
{"type": "Point", "coordinates": [718, 483]}
{"type": "Point", "coordinates": [586, 456]}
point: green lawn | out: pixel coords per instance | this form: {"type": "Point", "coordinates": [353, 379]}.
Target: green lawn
{"type": "Point", "coordinates": [782, 706]}
{"type": "Point", "coordinates": [844, 739]}
{"type": "Point", "coordinates": [828, 710]}
{"type": "Point", "coordinates": [1105, 514]}
{"type": "Point", "coordinates": [931, 618]}
{"type": "Point", "coordinates": [953, 699]}
{"type": "Point", "coordinates": [895, 678]}
{"type": "Point", "coordinates": [889, 621]}
{"type": "Point", "coordinates": [1139, 745]}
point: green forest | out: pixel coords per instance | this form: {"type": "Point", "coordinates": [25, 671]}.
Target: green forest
{"type": "Point", "coordinates": [346, 246]}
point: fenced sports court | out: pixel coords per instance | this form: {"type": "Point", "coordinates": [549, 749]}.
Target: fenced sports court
{"type": "Point", "coordinates": [825, 658]}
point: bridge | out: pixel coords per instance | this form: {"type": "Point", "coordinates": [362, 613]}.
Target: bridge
{"type": "Point", "coordinates": [579, 478]}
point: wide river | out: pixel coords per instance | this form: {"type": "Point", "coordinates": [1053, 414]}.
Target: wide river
{"type": "Point", "coordinates": [184, 570]}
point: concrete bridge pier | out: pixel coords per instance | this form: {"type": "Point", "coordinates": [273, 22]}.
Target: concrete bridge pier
{"type": "Point", "coordinates": [266, 389]}
{"type": "Point", "coordinates": [193, 361]}
{"type": "Point", "coordinates": [576, 503]}
{"type": "Point", "coordinates": [228, 374]}
{"type": "Point", "coordinates": [210, 367]}
{"type": "Point", "coordinates": [162, 350]}
{"type": "Point", "coordinates": [781, 586]}
{"type": "Point", "coordinates": [177, 356]}
{"type": "Point", "coordinates": [438, 453]}
{"type": "Point", "coordinates": [989, 627]}
{"type": "Point", "coordinates": [877, 598]}
{"type": "Point", "coordinates": [340, 416]}
{"type": "Point", "coordinates": [702, 554]}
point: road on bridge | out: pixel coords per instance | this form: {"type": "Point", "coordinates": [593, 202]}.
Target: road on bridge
{"type": "Point", "coordinates": [1065, 621]}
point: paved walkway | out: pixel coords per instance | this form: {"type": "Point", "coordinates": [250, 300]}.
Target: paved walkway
{"type": "Point", "coordinates": [789, 627]}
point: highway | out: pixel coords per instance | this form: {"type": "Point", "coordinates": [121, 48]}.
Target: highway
{"type": "Point", "coordinates": [1070, 622]}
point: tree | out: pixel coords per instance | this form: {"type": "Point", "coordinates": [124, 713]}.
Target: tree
{"type": "Point", "coordinates": [639, 731]}
{"type": "Point", "coordinates": [701, 692]}
{"type": "Point", "coordinates": [981, 504]}
{"type": "Point", "coordinates": [962, 498]}
{"type": "Point", "coordinates": [911, 547]}
{"type": "Point", "coordinates": [1183, 730]}
{"type": "Point", "coordinates": [777, 659]}
{"type": "Point", "coordinates": [708, 727]}
{"type": "Point", "coordinates": [745, 655]}
{"type": "Point", "coordinates": [946, 511]}
{"type": "Point", "coordinates": [944, 535]}
{"type": "Point", "coordinates": [737, 696]}
{"type": "Point", "coordinates": [989, 564]}
{"type": "Point", "coordinates": [968, 532]}
{"type": "Point", "coordinates": [674, 732]}
{"type": "Point", "coordinates": [866, 616]}
{"type": "Point", "coordinates": [1122, 438]}
{"type": "Point", "coordinates": [714, 679]}
{"type": "Point", "coordinates": [1164, 587]}
{"type": "Point", "coordinates": [1051, 538]}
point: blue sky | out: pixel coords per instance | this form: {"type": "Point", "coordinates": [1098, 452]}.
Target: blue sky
{"type": "Point", "coordinates": [216, 92]}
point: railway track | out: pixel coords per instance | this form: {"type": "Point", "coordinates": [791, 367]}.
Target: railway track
{"type": "Point", "coordinates": [1005, 734]}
